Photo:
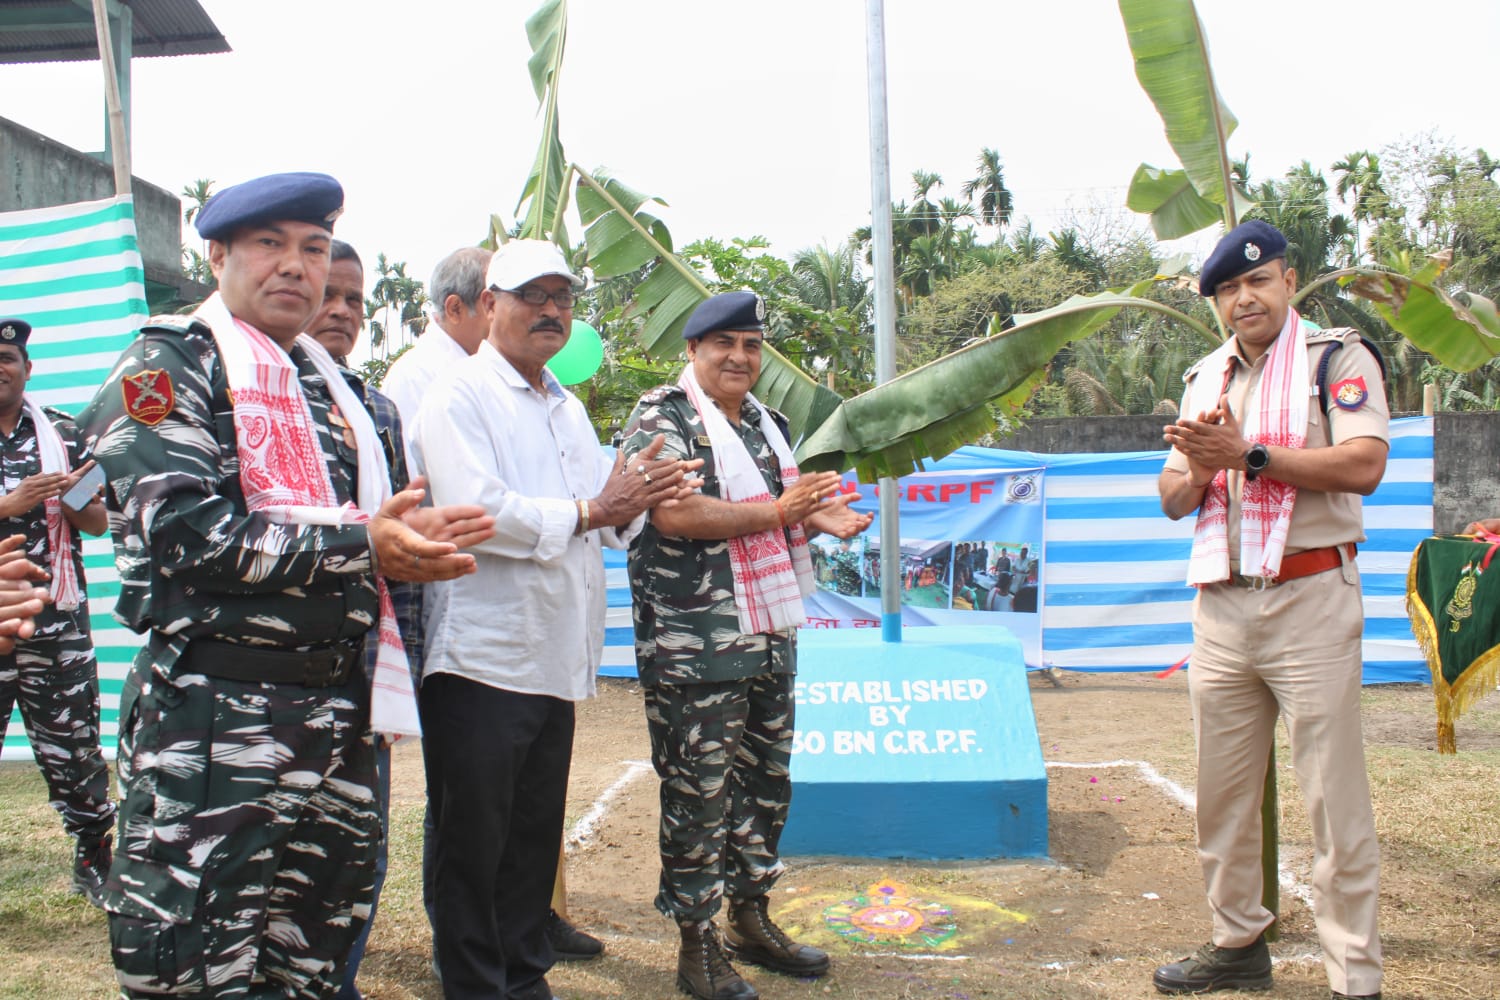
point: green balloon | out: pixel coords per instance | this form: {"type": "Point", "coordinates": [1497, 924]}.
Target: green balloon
{"type": "Point", "coordinates": [580, 357]}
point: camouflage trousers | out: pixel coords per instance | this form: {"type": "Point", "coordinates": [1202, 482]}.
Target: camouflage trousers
{"type": "Point", "coordinates": [248, 832]}
{"type": "Point", "coordinates": [55, 680]}
{"type": "Point", "coordinates": [722, 750]}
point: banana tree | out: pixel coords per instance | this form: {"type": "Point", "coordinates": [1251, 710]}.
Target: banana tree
{"type": "Point", "coordinates": [925, 413]}
{"type": "Point", "coordinates": [1170, 49]}
{"type": "Point", "coordinates": [930, 411]}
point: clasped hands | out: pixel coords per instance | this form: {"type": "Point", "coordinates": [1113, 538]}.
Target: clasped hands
{"type": "Point", "coordinates": [20, 599]}
{"type": "Point", "coordinates": [814, 501]}
{"type": "Point", "coordinates": [1211, 442]}
{"type": "Point", "coordinates": [421, 544]}
{"type": "Point", "coordinates": [641, 481]}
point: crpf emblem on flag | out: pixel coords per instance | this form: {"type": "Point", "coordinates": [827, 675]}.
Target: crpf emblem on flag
{"type": "Point", "coordinates": [148, 396]}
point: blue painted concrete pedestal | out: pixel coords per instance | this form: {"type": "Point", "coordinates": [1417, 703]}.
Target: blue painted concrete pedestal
{"type": "Point", "coordinates": [926, 748]}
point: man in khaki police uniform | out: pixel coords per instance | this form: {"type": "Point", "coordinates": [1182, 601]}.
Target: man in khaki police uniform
{"type": "Point", "coordinates": [1275, 468]}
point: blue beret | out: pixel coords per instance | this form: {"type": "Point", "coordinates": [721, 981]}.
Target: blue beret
{"type": "Point", "coordinates": [727, 311]}
{"type": "Point", "coordinates": [295, 197]}
{"type": "Point", "coordinates": [14, 331]}
{"type": "Point", "coordinates": [1246, 247]}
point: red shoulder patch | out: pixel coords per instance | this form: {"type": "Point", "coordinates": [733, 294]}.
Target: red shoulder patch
{"type": "Point", "coordinates": [148, 396]}
{"type": "Point", "coordinates": [1350, 394]}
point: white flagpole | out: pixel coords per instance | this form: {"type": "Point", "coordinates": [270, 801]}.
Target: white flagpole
{"type": "Point", "coordinates": [885, 306]}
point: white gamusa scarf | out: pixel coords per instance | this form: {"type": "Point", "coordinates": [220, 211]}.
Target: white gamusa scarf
{"type": "Point", "coordinates": [54, 458]}
{"type": "Point", "coordinates": [283, 473]}
{"type": "Point", "coordinates": [1275, 413]}
{"type": "Point", "coordinates": [770, 576]}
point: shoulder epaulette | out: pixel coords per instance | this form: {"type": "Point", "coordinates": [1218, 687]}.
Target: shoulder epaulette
{"type": "Point", "coordinates": [661, 392]}
{"type": "Point", "coordinates": [173, 323]}
{"type": "Point", "coordinates": [53, 413]}
{"type": "Point", "coordinates": [1192, 372]}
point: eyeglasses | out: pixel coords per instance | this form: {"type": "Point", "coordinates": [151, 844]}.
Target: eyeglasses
{"type": "Point", "coordinates": [534, 296]}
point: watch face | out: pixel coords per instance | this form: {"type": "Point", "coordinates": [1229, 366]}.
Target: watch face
{"type": "Point", "coordinates": [1257, 458]}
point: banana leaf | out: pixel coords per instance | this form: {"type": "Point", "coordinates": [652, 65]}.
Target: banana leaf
{"type": "Point", "coordinates": [546, 191]}
{"type": "Point", "coordinates": [1461, 336]}
{"type": "Point", "coordinates": [1167, 196]}
{"type": "Point", "coordinates": [1170, 49]}
{"type": "Point", "coordinates": [621, 238]}
{"type": "Point", "coordinates": [931, 411]}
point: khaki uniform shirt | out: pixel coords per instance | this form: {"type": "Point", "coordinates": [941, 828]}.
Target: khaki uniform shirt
{"type": "Point", "coordinates": [1318, 519]}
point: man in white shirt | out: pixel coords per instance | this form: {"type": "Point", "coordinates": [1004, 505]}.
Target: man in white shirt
{"type": "Point", "coordinates": [510, 652]}
{"type": "Point", "coordinates": [457, 330]}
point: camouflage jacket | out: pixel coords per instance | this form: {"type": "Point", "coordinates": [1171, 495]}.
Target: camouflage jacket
{"type": "Point", "coordinates": [21, 457]}
{"type": "Point", "coordinates": [193, 561]}
{"type": "Point", "coordinates": [682, 590]}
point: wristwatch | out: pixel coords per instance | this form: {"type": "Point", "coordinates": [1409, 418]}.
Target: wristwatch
{"type": "Point", "coordinates": [1256, 460]}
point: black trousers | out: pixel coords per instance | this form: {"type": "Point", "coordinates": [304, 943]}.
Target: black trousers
{"type": "Point", "coordinates": [497, 783]}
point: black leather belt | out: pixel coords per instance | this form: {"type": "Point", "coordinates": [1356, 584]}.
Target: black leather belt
{"type": "Point", "coordinates": [322, 666]}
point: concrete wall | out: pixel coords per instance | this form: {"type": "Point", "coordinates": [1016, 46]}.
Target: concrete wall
{"type": "Point", "coordinates": [1466, 455]}
{"type": "Point", "coordinates": [38, 172]}
{"type": "Point", "coordinates": [1466, 476]}
{"type": "Point", "coordinates": [1079, 435]}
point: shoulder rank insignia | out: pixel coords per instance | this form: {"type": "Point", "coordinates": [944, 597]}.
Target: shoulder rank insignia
{"type": "Point", "coordinates": [703, 441]}
{"type": "Point", "coordinates": [1350, 394]}
{"type": "Point", "coordinates": [148, 396]}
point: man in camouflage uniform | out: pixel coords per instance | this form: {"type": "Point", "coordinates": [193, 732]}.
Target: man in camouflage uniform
{"type": "Point", "coordinates": [249, 824]}
{"type": "Point", "coordinates": [336, 326]}
{"type": "Point", "coordinates": [845, 569]}
{"type": "Point", "coordinates": [719, 698]}
{"type": "Point", "coordinates": [53, 673]}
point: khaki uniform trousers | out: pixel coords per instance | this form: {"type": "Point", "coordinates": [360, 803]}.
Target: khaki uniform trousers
{"type": "Point", "coordinates": [1293, 649]}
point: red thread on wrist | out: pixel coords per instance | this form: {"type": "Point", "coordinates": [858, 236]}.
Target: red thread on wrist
{"type": "Point", "coordinates": [780, 511]}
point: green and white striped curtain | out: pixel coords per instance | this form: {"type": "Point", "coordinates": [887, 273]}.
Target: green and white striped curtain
{"type": "Point", "coordinates": [74, 273]}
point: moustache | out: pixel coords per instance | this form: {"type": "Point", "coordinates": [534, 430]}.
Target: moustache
{"type": "Point", "coordinates": [546, 324]}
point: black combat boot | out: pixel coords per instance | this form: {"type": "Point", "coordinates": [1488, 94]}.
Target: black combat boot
{"type": "Point", "coordinates": [91, 860]}
{"type": "Point", "coordinates": [751, 936]}
{"type": "Point", "coordinates": [702, 969]}
{"type": "Point", "coordinates": [1214, 968]}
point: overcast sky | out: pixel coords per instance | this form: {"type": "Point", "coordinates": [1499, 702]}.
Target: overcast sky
{"type": "Point", "coordinates": [751, 118]}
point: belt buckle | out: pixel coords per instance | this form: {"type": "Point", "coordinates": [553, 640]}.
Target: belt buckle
{"type": "Point", "coordinates": [326, 668]}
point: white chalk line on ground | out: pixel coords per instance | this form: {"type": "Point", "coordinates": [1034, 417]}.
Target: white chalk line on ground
{"type": "Point", "coordinates": [1189, 801]}
{"type": "Point", "coordinates": [588, 824]}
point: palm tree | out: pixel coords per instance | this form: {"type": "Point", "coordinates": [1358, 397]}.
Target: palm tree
{"type": "Point", "coordinates": [829, 279]}
{"type": "Point", "coordinates": [1026, 244]}
{"type": "Point", "coordinates": [1359, 174]}
{"type": "Point", "coordinates": [995, 203]}
{"type": "Point", "coordinates": [924, 214]}
{"type": "Point", "coordinates": [399, 297]}
{"type": "Point", "coordinates": [195, 262]}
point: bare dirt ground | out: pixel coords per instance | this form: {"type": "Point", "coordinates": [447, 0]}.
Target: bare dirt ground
{"type": "Point", "coordinates": [1119, 895]}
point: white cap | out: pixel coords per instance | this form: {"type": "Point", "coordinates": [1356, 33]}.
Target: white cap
{"type": "Point", "coordinates": [522, 261]}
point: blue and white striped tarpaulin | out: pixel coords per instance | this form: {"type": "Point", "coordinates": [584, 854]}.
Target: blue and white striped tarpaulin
{"type": "Point", "coordinates": [1113, 565]}
{"type": "Point", "coordinates": [1115, 597]}
{"type": "Point", "coordinates": [74, 273]}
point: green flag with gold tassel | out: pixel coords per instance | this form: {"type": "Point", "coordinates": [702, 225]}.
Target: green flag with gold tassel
{"type": "Point", "coordinates": [1453, 598]}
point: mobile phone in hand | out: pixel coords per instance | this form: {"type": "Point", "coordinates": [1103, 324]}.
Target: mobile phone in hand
{"type": "Point", "coordinates": [84, 490]}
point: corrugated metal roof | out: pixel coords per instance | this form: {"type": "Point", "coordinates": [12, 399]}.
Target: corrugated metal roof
{"type": "Point", "coordinates": [33, 31]}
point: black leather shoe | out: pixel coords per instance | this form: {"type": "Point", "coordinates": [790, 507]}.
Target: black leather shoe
{"type": "Point", "coordinates": [1355, 996]}
{"type": "Point", "coordinates": [1214, 968]}
{"type": "Point", "coordinates": [569, 944]}
{"type": "Point", "coordinates": [91, 860]}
